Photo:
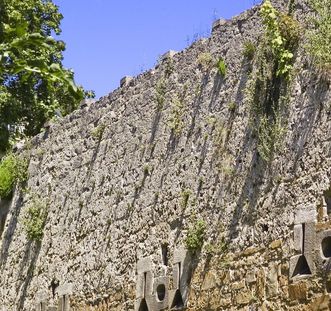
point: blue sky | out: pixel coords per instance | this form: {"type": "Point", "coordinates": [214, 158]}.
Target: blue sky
{"type": "Point", "coordinates": [108, 39]}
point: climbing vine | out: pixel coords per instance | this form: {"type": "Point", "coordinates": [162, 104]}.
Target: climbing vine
{"type": "Point", "coordinates": [266, 90]}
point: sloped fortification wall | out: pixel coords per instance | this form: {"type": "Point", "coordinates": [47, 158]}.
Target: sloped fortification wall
{"type": "Point", "coordinates": [124, 179]}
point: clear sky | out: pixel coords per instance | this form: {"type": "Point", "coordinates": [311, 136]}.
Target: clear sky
{"type": "Point", "coordinates": [108, 39]}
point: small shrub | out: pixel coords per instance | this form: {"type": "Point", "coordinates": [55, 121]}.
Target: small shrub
{"type": "Point", "coordinates": [290, 30]}
{"type": "Point", "coordinates": [271, 135]}
{"type": "Point", "coordinates": [12, 169]}
{"type": "Point", "coordinates": [195, 236]}
{"type": "Point", "coordinates": [232, 106]}
{"type": "Point", "coordinates": [175, 121]}
{"type": "Point", "coordinates": [249, 50]}
{"type": "Point", "coordinates": [319, 38]}
{"type": "Point", "coordinates": [169, 67]}
{"type": "Point", "coordinates": [98, 131]}
{"type": "Point", "coordinates": [205, 60]}
{"type": "Point", "coordinates": [34, 219]}
{"type": "Point", "coordinates": [221, 66]}
{"type": "Point", "coordinates": [160, 93]}
{"type": "Point", "coordinates": [147, 169]}
{"type": "Point", "coordinates": [219, 248]}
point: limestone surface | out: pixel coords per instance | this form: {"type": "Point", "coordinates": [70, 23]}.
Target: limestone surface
{"type": "Point", "coordinates": [124, 180]}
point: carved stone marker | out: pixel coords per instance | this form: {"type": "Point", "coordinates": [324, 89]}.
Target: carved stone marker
{"type": "Point", "coordinates": [63, 292]}
{"type": "Point", "coordinates": [313, 248]}
{"type": "Point", "coordinates": [153, 293]}
{"type": "Point", "coordinates": [303, 263]}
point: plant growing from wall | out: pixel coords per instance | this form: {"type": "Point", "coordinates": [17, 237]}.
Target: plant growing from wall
{"type": "Point", "coordinates": [195, 236]}
{"type": "Point", "coordinates": [169, 67]}
{"type": "Point", "coordinates": [35, 219]}
{"type": "Point", "coordinates": [270, 137]}
{"type": "Point", "coordinates": [205, 61]}
{"type": "Point", "coordinates": [221, 66]}
{"type": "Point", "coordinates": [175, 121]}
{"type": "Point", "coordinates": [249, 50]}
{"type": "Point", "coordinates": [319, 37]}
{"type": "Point", "coordinates": [270, 79]}
{"type": "Point", "coordinates": [185, 195]}
{"type": "Point", "coordinates": [232, 106]}
{"type": "Point", "coordinates": [160, 93]}
{"type": "Point", "coordinates": [98, 131]}
{"type": "Point", "coordinates": [281, 30]}
{"type": "Point", "coordinates": [13, 169]}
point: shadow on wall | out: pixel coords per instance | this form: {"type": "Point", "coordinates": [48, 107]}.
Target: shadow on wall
{"type": "Point", "coordinates": [4, 209]}
{"type": "Point", "coordinates": [16, 204]}
{"type": "Point", "coordinates": [31, 251]}
{"type": "Point", "coordinates": [314, 90]}
{"type": "Point", "coordinates": [27, 267]}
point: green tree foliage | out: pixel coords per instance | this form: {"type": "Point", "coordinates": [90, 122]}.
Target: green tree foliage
{"type": "Point", "coordinates": [320, 36]}
{"type": "Point", "coordinates": [12, 169]}
{"type": "Point", "coordinates": [33, 82]}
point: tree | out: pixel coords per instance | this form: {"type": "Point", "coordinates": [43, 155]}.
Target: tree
{"type": "Point", "coordinates": [33, 82]}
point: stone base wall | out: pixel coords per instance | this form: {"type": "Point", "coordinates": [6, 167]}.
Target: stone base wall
{"type": "Point", "coordinates": [124, 181]}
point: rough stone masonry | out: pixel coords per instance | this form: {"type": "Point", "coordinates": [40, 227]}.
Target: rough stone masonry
{"type": "Point", "coordinates": [124, 180]}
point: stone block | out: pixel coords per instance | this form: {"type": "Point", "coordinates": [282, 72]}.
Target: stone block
{"type": "Point", "coordinates": [298, 238]}
{"type": "Point", "coordinates": [159, 300]}
{"type": "Point", "coordinates": [304, 264]}
{"type": "Point", "coordinates": [42, 301]}
{"type": "Point", "coordinates": [260, 284]}
{"type": "Point", "coordinates": [41, 306]}
{"type": "Point", "coordinates": [250, 251]}
{"type": "Point", "coordinates": [225, 300]}
{"type": "Point", "coordinates": [144, 265]}
{"type": "Point", "coordinates": [125, 81]}
{"type": "Point", "coordinates": [283, 280]}
{"type": "Point", "coordinates": [65, 289]}
{"type": "Point", "coordinates": [218, 23]}
{"type": "Point", "coordinates": [323, 246]}
{"type": "Point", "coordinates": [209, 281]}
{"type": "Point", "coordinates": [250, 276]}
{"type": "Point", "coordinates": [144, 284]}
{"type": "Point", "coordinates": [224, 278]}
{"type": "Point", "coordinates": [168, 55]}
{"type": "Point", "coordinates": [238, 285]}
{"type": "Point", "coordinates": [272, 281]}
{"type": "Point", "coordinates": [321, 303]}
{"type": "Point", "coordinates": [305, 214]}
{"type": "Point", "coordinates": [298, 291]}
{"type": "Point", "coordinates": [64, 303]}
{"type": "Point", "coordinates": [86, 103]}
{"type": "Point", "coordinates": [243, 297]}
{"type": "Point", "coordinates": [275, 244]}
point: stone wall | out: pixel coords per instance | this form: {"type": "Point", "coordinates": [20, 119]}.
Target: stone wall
{"type": "Point", "coordinates": [123, 181]}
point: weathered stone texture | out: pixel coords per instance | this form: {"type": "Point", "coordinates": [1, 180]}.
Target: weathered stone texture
{"type": "Point", "coordinates": [115, 174]}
